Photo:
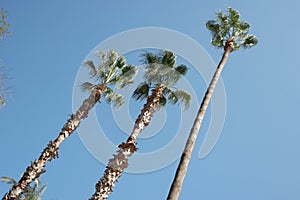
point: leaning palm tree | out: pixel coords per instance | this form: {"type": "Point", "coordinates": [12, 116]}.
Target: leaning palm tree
{"type": "Point", "coordinates": [160, 74]}
{"type": "Point", "coordinates": [34, 192]}
{"type": "Point", "coordinates": [230, 34]}
{"type": "Point", "coordinates": [111, 71]}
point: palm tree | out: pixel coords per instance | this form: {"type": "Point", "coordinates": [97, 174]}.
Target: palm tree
{"type": "Point", "coordinates": [160, 74]}
{"type": "Point", "coordinates": [4, 25]}
{"type": "Point", "coordinates": [4, 32]}
{"type": "Point", "coordinates": [111, 71]}
{"type": "Point", "coordinates": [32, 192]}
{"type": "Point", "coordinates": [228, 33]}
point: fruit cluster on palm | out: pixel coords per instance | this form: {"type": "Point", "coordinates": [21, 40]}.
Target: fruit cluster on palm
{"type": "Point", "coordinates": [160, 74]}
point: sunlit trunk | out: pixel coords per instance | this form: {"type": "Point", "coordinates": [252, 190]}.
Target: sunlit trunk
{"type": "Point", "coordinates": [119, 162]}
{"type": "Point", "coordinates": [186, 155]}
{"type": "Point", "coordinates": [37, 167]}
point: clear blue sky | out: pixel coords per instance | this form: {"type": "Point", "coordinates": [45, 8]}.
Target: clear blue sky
{"type": "Point", "coordinates": [257, 154]}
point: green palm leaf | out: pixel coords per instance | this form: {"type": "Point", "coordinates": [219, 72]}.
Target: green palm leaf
{"type": "Point", "coordinates": [121, 62]}
{"type": "Point", "coordinates": [91, 67]}
{"type": "Point", "coordinates": [125, 77]}
{"type": "Point", "coordinates": [224, 24]}
{"type": "Point", "coordinates": [162, 101]}
{"type": "Point", "coordinates": [87, 86]}
{"type": "Point", "coordinates": [141, 92]}
{"type": "Point", "coordinates": [8, 180]}
{"type": "Point", "coordinates": [33, 192]}
{"type": "Point", "coordinates": [249, 41]}
{"type": "Point", "coordinates": [115, 99]}
{"type": "Point", "coordinates": [149, 58]}
{"type": "Point", "coordinates": [184, 98]}
{"type": "Point", "coordinates": [234, 16]}
{"type": "Point", "coordinates": [213, 26]}
{"type": "Point", "coordinates": [181, 96]}
{"type": "Point", "coordinates": [168, 58]}
{"type": "Point", "coordinates": [182, 69]}
{"type": "Point", "coordinates": [217, 41]}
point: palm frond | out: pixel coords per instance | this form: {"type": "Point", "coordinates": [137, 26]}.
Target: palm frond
{"type": "Point", "coordinates": [234, 16]}
{"type": "Point", "coordinates": [249, 41]}
{"type": "Point", "coordinates": [42, 189]}
{"type": "Point", "coordinates": [217, 41]}
{"type": "Point", "coordinates": [236, 46]}
{"type": "Point", "coordinates": [182, 69]}
{"type": "Point", "coordinates": [150, 58]}
{"type": "Point", "coordinates": [115, 99]}
{"type": "Point", "coordinates": [168, 58]}
{"type": "Point", "coordinates": [121, 62]}
{"type": "Point", "coordinates": [125, 76]}
{"type": "Point", "coordinates": [91, 66]}
{"type": "Point", "coordinates": [184, 97]}
{"type": "Point", "coordinates": [224, 24]}
{"type": "Point", "coordinates": [242, 29]}
{"type": "Point", "coordinates": [32, 192]}
{"type": "Point", "coordinates": [111, 70]}
{"type": "Point", "coordinates": [177, 96]}
{"type": "Point", "coordinates": [8, 180]}
{"type": "Point", "coordinates": [87, 86]}
{"type": "Point", "coordinates": [162, 101]}
{"type": "Point", "coordinates": [172, 98]}
{"type": "Point", "coordinates": [213, 26]}
{"type": "Point", "coordinates": [161, 74]}
{"type": "Point", "coordinates": [35, 192]}
{"type": "Point", "coordinates": [112, 57]}
{"type": "Point", "coordinates": [141, 92]}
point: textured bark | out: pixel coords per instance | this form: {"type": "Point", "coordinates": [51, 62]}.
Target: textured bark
{"type": "Point", "coordinates": [186, 155]}
{"type": "Point", "coordinates": [119, 162]}
{"type": "Point", "coordinates": [37, 167]}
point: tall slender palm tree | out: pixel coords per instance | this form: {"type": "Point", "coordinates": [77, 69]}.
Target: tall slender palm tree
{"type": "Point", "coordinates": [160, 74]}
{"type": "Point", "coordinates": [229, 33]}
{"type": "Point", "coordinates": [34, 192]}
{"type": "Point", "coordinates": [111, 71]}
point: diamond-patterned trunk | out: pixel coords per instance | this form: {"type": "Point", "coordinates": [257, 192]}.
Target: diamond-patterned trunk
{"type": "Point", "coordinates": [119, 162]}
{"type": "Point", "coordinates": [37, 167]}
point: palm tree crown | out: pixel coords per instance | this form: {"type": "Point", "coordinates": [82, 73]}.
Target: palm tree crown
{"type": "Point", "coordinates": [161, 70]}
{"type": "Point", "coordinates": [34, 192]}
{"type": "Point", "coordinates": [112, 70]}
{"type": "Point", "coordinates": [229, 27]}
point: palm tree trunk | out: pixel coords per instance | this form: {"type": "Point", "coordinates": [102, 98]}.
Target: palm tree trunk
{"type": "Point", "coordinates": [119, 162]}
{"type": "Point", "coordinates": [186, 155]}
{"type": "Point", "coordinates": [37, 167]}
